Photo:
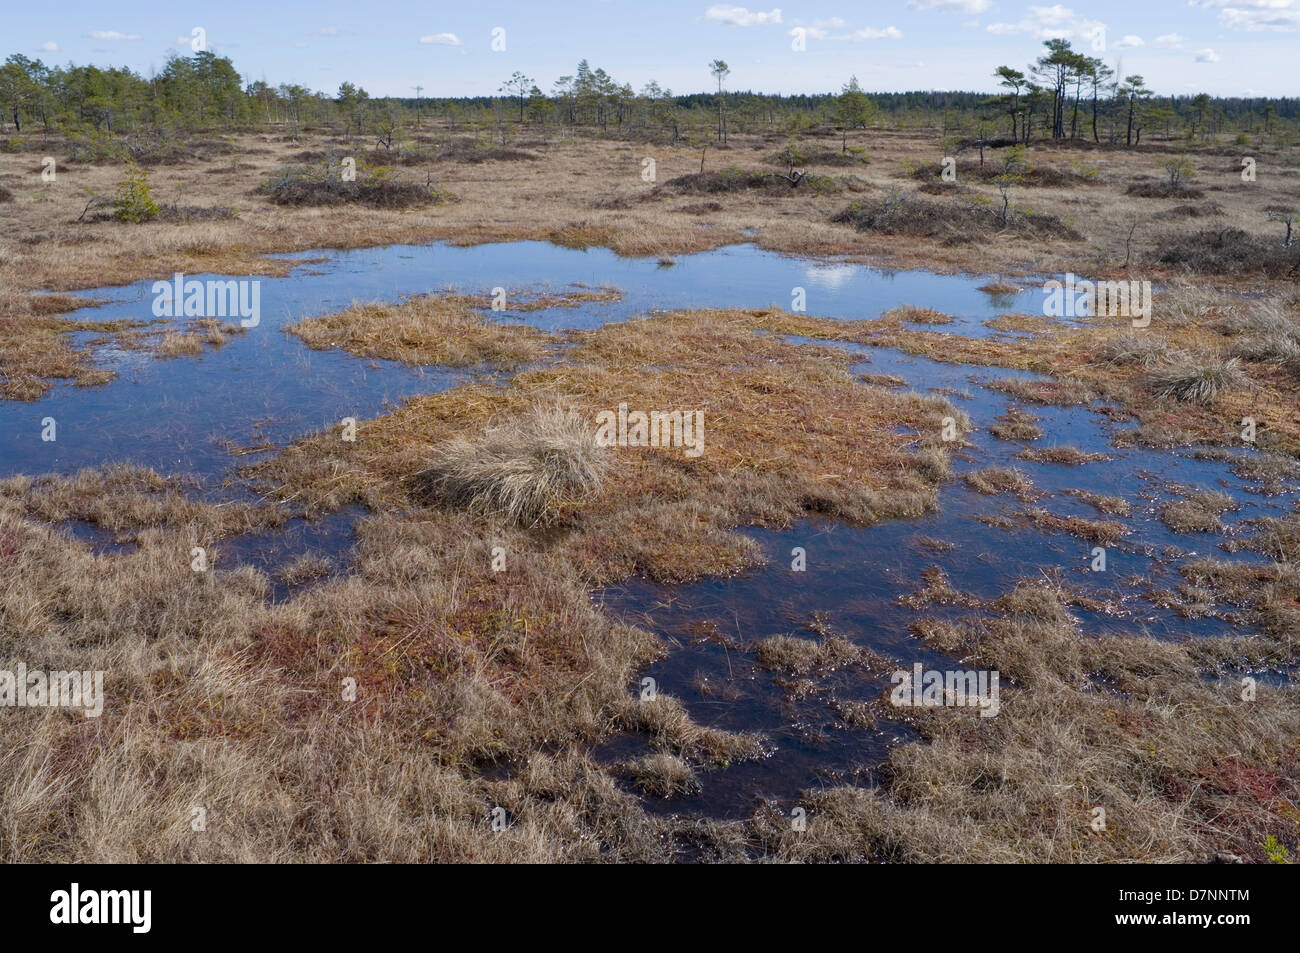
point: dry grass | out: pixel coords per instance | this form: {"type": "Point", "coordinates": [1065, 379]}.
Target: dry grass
{"type": "Point", "coordinates": [34, 349]}
{"type": "Point", "coordinates": [775, 441]}
{"type": "Point", "coordinates": [1110, 505]}
{"type": "Point", "coordinates": [128, 501]}
{"type": "Point", "coordinates": [1192, 321]}
{"type": "Point", "coordinates": [799, 656]}
{"type": "Point", "coordinates": [1062, 456]}
{"type": "Point", "coordinates": [219, 699]}
{"type": "Point", "coordinates": [1017, 424]}
{"type": "Point", "coordinates": [992, 481]}
{"type": "Point", "coordinates": [1197, 512]}
{"type": "Point", "coordinates": [305, 568]}
{"type": "Point", "coordinates": [1185, 769]}
{"type": "Point", "coordinates": [1197, 382]}
{"type": "Point", "coordinates": [443, 330]}
{"type": "Point", "coordinates": [1001, 286]}
{"type": "Point", "coordinates": [179, 344]}
{"type": "Point", "coordinates": [1100, 532]}
{"type": "Point", "coordinates": [663, 775]}
{"type": "Point", "coordinates": [536, 199]}
{"type": "Point", "coordinates": [917, 315]}
{"type": "Point", "coordinates": [1276, 538]}
{"type": "Point", "coordinates": [523, 471]}
{"type": "Point", "coordinates": [1137, 350]}
{"type": "Point", "coordinates": [1063, 392]}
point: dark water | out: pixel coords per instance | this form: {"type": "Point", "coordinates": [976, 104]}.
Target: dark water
{"type": "Point", "coordinates": [265, 387]}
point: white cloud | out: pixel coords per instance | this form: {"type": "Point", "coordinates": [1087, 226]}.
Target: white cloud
{"type": "Point", "coordinates": [183, 41]}
{"type": "Point", "coordinates": [50, 47]}
{"type": "Point", "coordinates": [300, 44]}
{"type": "Point", "coordinates": [819, 29]}
{"type": "Point", "coordinates": [113, 35]}
{"type": "Point", "coordinates": [1207, 56]}
{"type": "Point", "coordinates": [442, 39]}
{"type": "Point", "coordinates": [739, 16]}
{"type": "Point", "coordinates": [1254, 16]}
{"type": "Point", "coordinates": [951, 6]}
{"type": "Point", "coordinates": [1170, 41]}
{"type": "Point", "coordinates": [326, 31]}
{"type": "Point", "coordinates": [830, 276]}
{"type": "Point", "coordinates": [871, 33]}
{"type": "Point", "coordinates": [1130, 41]}
{"type": "Point", "coordinates": [1049, 23]}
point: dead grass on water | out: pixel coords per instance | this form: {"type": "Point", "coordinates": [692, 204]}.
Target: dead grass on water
{"type": "Point", "coordinates": [1098, 532]}
{"type": "Point", "coordinates": [1062, 456]}
{"type": "Point", "coordinates": [992, 481]}
{"type": "Point", "coordinates": [249, 704]}
{"type": "Point", "coordinates": [35, 349]}
{"type": "Point", "coordinates": [1110, 505]}
{"type": "Point", "coordinates": [1016, 425]}
{"type": "Point", "coordinates": [1184, 768]}
{"type": "Point", "coordinates": [914, 314]}
{"type": "Point", "coordinates": [1197, 512]}
{"type": "Point", "coordinates": [786, 432]}
{"type": "Point", "coordinates": [446, 330]}
{"type": "Point", "coordinates": [128, 500]}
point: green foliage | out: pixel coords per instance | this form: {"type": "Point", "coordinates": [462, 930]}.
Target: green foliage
{"type": "Point", "coordinates": [1014, 164]}
{"type": "Point", "coordinates": [794, 153]}
{"type": "Point", "coordinates": [1063, 94]}
{"type": "Point", "coordinates": [1179, 170]}
{"type": "Point", "coordinates": [134, 201]}
{"type": "Point", "coordinates": [1276, 851]}
{"type": "Point", "coordinates": [90, 145]}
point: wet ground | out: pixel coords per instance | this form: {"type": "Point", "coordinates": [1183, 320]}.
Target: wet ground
{"type": "Point", "coordinates": [856, 578]}
{"type": "Point", "coordinates": [265, 388]}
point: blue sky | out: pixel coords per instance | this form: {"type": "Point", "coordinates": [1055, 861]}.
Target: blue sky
{"type": "Point", "coordinates": [1226, 47]}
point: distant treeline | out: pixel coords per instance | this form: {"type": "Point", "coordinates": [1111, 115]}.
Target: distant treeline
{"type": "Point", "coordinates": [1063, 95]}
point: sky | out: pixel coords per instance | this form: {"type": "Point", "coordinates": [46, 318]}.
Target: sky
{"type": "Point", "coordinates": [1223, 47]}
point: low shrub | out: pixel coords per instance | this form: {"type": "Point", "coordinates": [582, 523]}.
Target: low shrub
{"type": "Point", "coordinates": [374, 186]}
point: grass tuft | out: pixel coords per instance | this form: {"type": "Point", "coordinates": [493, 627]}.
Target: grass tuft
{"type": "Point", "coordinates": [523, 471]}
{"type": "Point", "coordinates": [1197, 382]}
